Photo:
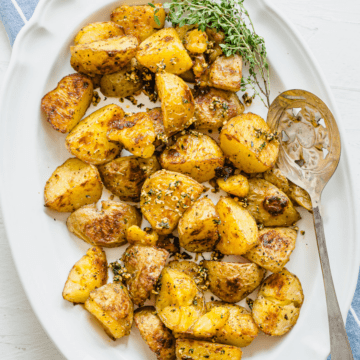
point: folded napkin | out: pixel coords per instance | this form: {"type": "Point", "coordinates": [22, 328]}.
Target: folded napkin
{"type": "Point", "coordinates": [15, 14]}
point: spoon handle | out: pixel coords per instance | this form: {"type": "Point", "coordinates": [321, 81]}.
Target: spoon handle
{"type": "Point", "coordinates": [339, 342]}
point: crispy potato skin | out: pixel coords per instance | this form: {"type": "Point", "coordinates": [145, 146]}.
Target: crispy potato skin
{"type": "Point", "coordinates": [159, 339]}
{"type": "Point", "coordinates": [232, 282]}
{"type": "Point", "coordinates": [144, 264]}
{"type": "Point", "coordinates": [299, 196]}
{"type": "Point", "coordinates": [274, 248]}
{"type": "Point", "coordinates": [136, 236]}
{"type": "Point", "coordinates": [237, 185]}
{"type": "Point", "coordinates": [278, 304]}
{"type": "Point", "coordinates": [161, 201]}
{"type": "Point", "coordinates": [112, 306]}
{"type": "Point", "coordinates": [276, 177]}
{"type": "Point", "coordinates": [89, 273]}
{"type": "Point", "coordinates": [215, 107]}
{"type": "Point", "coordinates": [157, 118]}
{"type": "Point", "coordinates": [125, 176]}
{"type": "Point", "coordinates": [196, 41]}
{"type": "Point", "coordinates": [238, 229]}
{"type": "Point", "coordinates": [270, 206]}
{"type": "Point", "coordinates": [88, 141]}
{"type": "Point", "coordinates": [198, 228]}
{"type": "Point", "coordinates": [195, 155]}
{"type": "Point", "coordinates": [67, 103]}
{"type": "Point", "coordinates": [165, 48]}
{"type": "Point", "coordinates": [177, 102]}
{"type": "Point", "coordinates": [106, 227]}
{"type": "Point", "coordinates": [187, 349]}
{"type": "Point", "coordinates": [103, 56]}
{"type": "Point", "coordinates": [247, 150]}
{"type": "Point", "coordinates": [72, 185]}
{"type": "Point", "coordinates": [98, 31]}
{"type": "Point", "coordinates": [139, 20]}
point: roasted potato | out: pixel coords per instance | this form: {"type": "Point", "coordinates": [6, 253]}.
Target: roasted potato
{"type": "Point", "coordinates": [187, 349]}
{"type": "Point", "coordinates": [200, 66]}
{"type": "Point", "coordinates": [144, 264]}
{"type": "Point", "coordinates": [103, 56]}
{"type": "Point", "coordinates": [177, 102]}
{"type": "Point", "coordinates": [88, 141]}
{"type": "Point", "coordinates": [72, 185]}
{"type": "Point", "coordinates": [183, 30]}
{"type": "Point", "coordinates": [154, 332]}
{"type": "Point", "coordinates": [188, 76]}
{"type": "Point", "coordinates": [274, 248]}
{"type": "Point", "coordinates": [125, 176]}
{"type": "Point", "coordinates": [277, 307]}
{"type": "Point", "coordinates": [299, 196]}
{"type": "Point", "coordinates": [67, 104]}
{"type": "Point", "coordinates": [240, 328]}
{"type": "Point", "coordinates": [179, 302]}
{"type": "Point", "coordinates": [238, 230]}
{"type": "Point", "coordinates": [96, 81]}
{"type": "Point", "coordinates": [232, 282]}
{"type": "Point", "coordinates": [191, 268]}
{"type": "Point", "coordinates": [135, 132]}
{"type": "Point", "coordinates": [164, 50]}
{"type": "Point", "coordinates": [276, 177]}
{"type": "Point", "coordinates": [139, 20]}
{"type": "Point", "coordinates": [98, 31]}
{"type": "Point", "coordinates": [106, 227]}
{"type": "Point", "coordinates": [196, 41]}
{"type": "Point", "coordinates": [237, 185]}
{"type": "Point", "coordinates": [198, 228]}
{"type": "Point", "coordinates": [165, 196]}
{"type": "Point", "coordinates": [247, 142]}
{"type": "Point", "coordinates": [270, 206]}
{"type": "Point", "coordinates": [89, 273]}
{"type": "Point", "coordinates": [214, 107]}
{"type": "Point", "coordinates": [112, 306]}
{"type": "Point", "coordinates": [136, 236]}
{"type": "Point", "coordinates": [196, 155]}
{"type": "Point", "coordinates": [158, 122]}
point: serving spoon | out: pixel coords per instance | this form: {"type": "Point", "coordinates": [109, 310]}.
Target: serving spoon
{"type": "Point", "coordinates": [309, 154]}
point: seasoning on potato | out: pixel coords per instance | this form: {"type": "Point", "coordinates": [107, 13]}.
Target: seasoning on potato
{"type": "Point", "coordinates": [191, 268]}
{"type": "Point", "coordinates": [196, 41]}
{"type": "Point", "coordinates": [136, 236]}
{"type": "Point", "coordinates": [237, 185]}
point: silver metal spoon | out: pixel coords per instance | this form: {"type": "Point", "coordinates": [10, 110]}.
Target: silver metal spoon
{"type": "Point", "coordinates": [309, 155]}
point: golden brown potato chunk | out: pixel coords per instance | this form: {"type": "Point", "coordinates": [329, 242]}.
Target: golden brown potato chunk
{"type": "Point", "coordinates": [67, 104]}
{"type": "Point", "coordinates": [103, 56]}
{"type": "Point", "coordinates": [299, 196]}
{"type": "Point", "coordinates": [89, 273]}
{"type": "Point", "coordinates": [140, 20]}
{"type": "Point", "coordinates": [277, 307]}
{"type": "Point", "coordinates": [270, 206]}
{"type": "Point", "coordinates": [125, 176]}
{"type": "Point", "coordinates": [136, 236]}
{"type": "Point", "coordinates": [238, 229]}
{"type": "Point", "coordinates": [276, 177]}
{"type": "Point", "coordinates": [200, 65]}
{"type": "Point", "coordinates": [158, 122]}
{"type": "Point", "coordinates": [214, 107]}
{"type": "Point", "coordinates": [88, 141]}
{"type": "Point", "coordinates": [177, 102]}
{"type": "Point", "coordinates": [188, 76]}
{"type": "Point", "coordinates": [154, 332]}
{"type": "Point", "coordinates": [240, 328]}
{"type": "Point", "coordinates": [72, 185]}
{"type": "Point", "coordinates": [187, 349]}
{"type": "Point", "coordinates": [165, 196]}
{"type": "Point", "coordinates": [98, 31]}
{"type": "Point", "coordinates": [196, 155]}
{"type": "Point", "coordinates": [237, 185]}
{"type": "Point", "coordinates": [232, 282]}
{"type": "Point", "coordinates": [190, 268]}
{"type": "Point", "coordinates": [247, 142]}
{"type": "Point", "coordinates": [198, 228]}
{"type": "Point", "coordinates": [144, 264]}
{"type": "Point", "coordinates": [112, 306]}
{"type": "Point", "coordinates": [164, 50]}
{"type": "Point", "coordinates": [196, 41]}
{"type": "Point", "coordinates": [106, 227]}
{"type": "Point", "coordinates": [274, 248]}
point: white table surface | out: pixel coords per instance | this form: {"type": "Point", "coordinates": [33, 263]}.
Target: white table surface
{"type": "Point", "coordinates": [332, 30]}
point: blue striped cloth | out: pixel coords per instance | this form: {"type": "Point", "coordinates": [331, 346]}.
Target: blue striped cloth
{"type": "Point", "coordinates": [15, 13]}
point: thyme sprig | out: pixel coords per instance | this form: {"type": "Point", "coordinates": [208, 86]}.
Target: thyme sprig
{"type": "Point", "coordinates": [231, 17]}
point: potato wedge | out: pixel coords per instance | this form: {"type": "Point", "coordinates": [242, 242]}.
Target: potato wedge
{"type": "Point", "coordinates": [237, 185]}
{"type": "Point", "coordinates": [88, 142]}
{"type": "Point", "coordinates": [98, 31]}
{"type": "Point", "coordinates": [103, 56]}
{"type": "Point", "coordinates": [196, 155]}
{"type": "Point", "coordinates": [276, 177]}
{"type": "Point", "coordinates": [165, 196]}
{"type": "Point", "coordinates": [158, 122]}
{"type": "Point", "coordinates": [106, 227]}
{"type": "Point", "coordinates": [299, 196]}
{"type": "Point", "coordinates": [196, 41]}
{"type": "Point", "coordinates": [154, 332]}
{"type": "Point", "coordinates": [136, 236]}
{"type": "Point", "coordinates": [164, 50]}
{"type": "Point", "coordinates": [238, 229]}
{"type": "Point", "coordinates": [89, 273]}
{"type": "Point", "coordinates": [67, 104]}
{"type": "Point", "coordinates": [112, 306]}
{"type": "Point", "coordinates": [232, 282]}
{"type": "Point", "coordinates": [72, 185]}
